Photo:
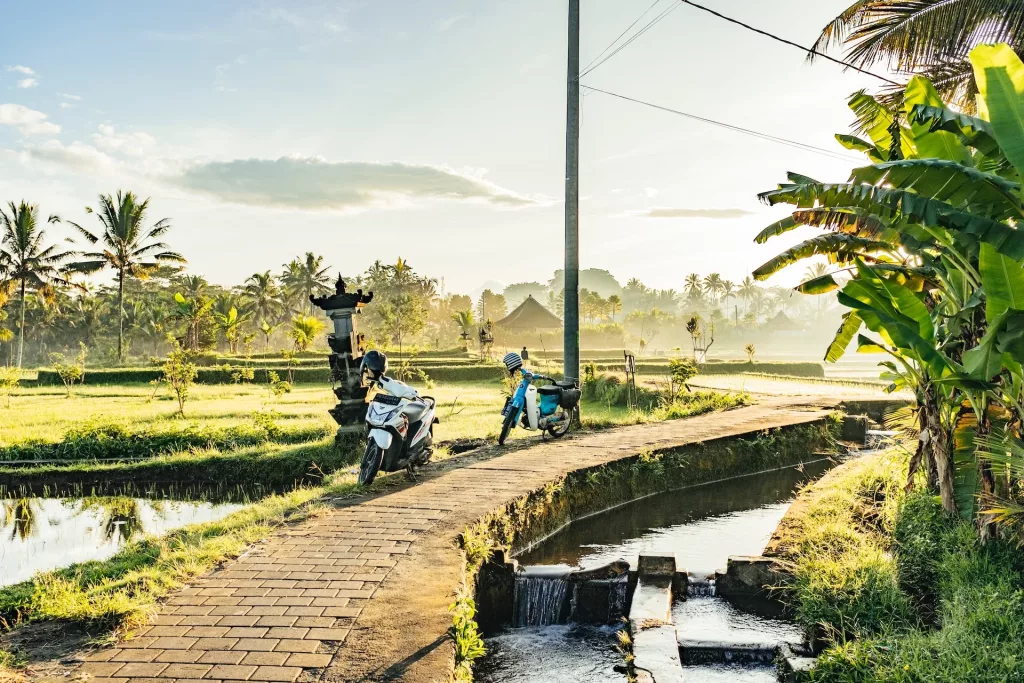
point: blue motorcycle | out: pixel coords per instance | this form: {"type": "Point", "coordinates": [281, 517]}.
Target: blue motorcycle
{"type": "Point", "coordinates": [552, 407]}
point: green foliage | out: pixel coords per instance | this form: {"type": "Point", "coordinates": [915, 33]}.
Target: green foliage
{"type": "Point", "coordinates": [304, 330]}
{"type": "Point", "coordinates": [680, 371]}
{"type": "Point", "coordinates": [109, 440]}
{"type": "Point", "coordinates": [966, 619]}
{"type": "Point", "coordinates": [179, 372]}
{"type": "Point", "coordinates": [70, 371]}
{"type": "Point", "coordinates": [9, 378]}
{"type": "Point", "coordinates": [750, 350]}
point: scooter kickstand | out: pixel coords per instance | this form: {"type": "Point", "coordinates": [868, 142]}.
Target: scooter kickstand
{"type": "Point", "coordinates": [411, 472]}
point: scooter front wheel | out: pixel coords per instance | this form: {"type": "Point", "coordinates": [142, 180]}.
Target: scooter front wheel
{"type": "Point", "coordinates": [371, 463]}
{"type": "Point", "coordinates": [507, 425]}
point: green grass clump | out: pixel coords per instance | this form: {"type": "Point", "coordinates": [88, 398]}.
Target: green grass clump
{"type": "Point", "coordinates": [112, 440]}
{"type": "Point", "coordinates": [925, 599]}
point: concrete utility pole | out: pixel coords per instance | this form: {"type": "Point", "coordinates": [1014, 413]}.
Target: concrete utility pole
{"type": "Point", "coordinates": [571, 307]}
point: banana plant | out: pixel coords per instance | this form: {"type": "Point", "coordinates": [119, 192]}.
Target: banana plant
{"type": "Point", "coordinates": [927, 257]}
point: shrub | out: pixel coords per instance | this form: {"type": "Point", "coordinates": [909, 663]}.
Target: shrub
{"type": "Point", "coordinates": [70, 371]}
{"type": "Point", "coordinates": [180, 373]}
{"type": "Point", "coordinates": [9, 378]}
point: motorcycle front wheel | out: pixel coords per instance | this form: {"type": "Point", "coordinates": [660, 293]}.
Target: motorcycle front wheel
{"type": "Point", "coordinates": [370, 464]}
{"type": "Point", "coordinates": [507, 425]}
{"type": "Point", "coordinates": [561, 428]}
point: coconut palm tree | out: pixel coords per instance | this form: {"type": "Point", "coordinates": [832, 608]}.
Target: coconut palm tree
{"type": "Point", "coordinates": [728, 289]}
{"type": "Point", "coordinates": [713, 285]}
{"type": "Point", "coordinates": [692, 284]}
{"type": "Point", "coordinates": [304, 278]}
{"type": "Point", "coordinates": [749, 291]}
{"type": "Point", "coordinates": [129, 248]}
{"type": "Point", "coordinates": [25, 260]}
{"type": "Point", "coordinates": [928, 37]}
{"type": "Point", "coordinates": [262, 296]}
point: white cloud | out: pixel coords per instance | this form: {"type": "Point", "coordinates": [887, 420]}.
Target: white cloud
{"type": "Point", "coordinates": [132, 144]}
{"type": "Point", "coordinates": [73, 98]}
{"type": "Point", "coordinates": [693, 213]}
{"type": "Point", "coordinates": [28, 82]}
{"type": "Point", "coordinates": [650, 192]}
{"type": "Point", "coordinates": [317, 184]}
{"type": "Point", "coordinates": [448, 22]}
{"type": "Point", "coordinates": [67, 105]}
{"type": "Point", "coordinates": [77, 156]}
{"type": "Point", "coordinates": [19, 69]}
{"type": "Point", "coordinates": [28, 121]}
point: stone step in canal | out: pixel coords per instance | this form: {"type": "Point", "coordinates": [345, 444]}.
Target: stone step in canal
{"type": "Point", "coordinates": [562, 628]}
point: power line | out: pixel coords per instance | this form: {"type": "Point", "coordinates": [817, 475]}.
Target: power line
{"type": "Point", "coordinates": [619, 37]}
{"type": "Point", "coordinates": [784, 41]}
{"type": "Point", "coordinates": [746, 131]}
{"type": "Point", "coordinates": [647, 27]}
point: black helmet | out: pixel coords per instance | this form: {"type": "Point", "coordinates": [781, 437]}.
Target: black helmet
{"type": "Point", "coordinates": [374, 365]}
{"type": "Point", "coordinates": [513, 361]}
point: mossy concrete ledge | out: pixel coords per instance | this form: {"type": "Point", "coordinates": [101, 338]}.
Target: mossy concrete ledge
{"type": "Point", "coordinates": [378, 575]}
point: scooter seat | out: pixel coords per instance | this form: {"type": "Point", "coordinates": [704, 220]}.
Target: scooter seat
{"type": "Point", "coordinates": [566, 383]}
{"type": "Point", "coordinates": [549, 390]}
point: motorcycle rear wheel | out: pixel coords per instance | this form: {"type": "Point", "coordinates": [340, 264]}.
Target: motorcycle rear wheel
{"type": "Point", "coordinates": [507, 425]}
{"type": "Point", "coordinates": [561, 428]}
{"type": "Point", "coordinates": [371, 463]}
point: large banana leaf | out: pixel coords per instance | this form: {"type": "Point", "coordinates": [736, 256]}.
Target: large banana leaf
{"type": "Point", "coordinates": [837, 246]}
{"type": "Point", "coordinates": [1003, 281]}
{"type": "Point", "coordinates": [1000, 77]}
{"type": "Point", "coordinates": [856, 144]}
{"type": "Point", "coordinates": [852, 220]}
{"type": "Point", "coordinates": [931, 143]}
{"type": "Point", "coordinates": [893, 205]}
{"type": "Point", "coordinates": [818, 285]}
{"type": "Point", "coordinates": [947, 181]}
{"type": "Point", "coordinates": [965, 464]}
{"type": "Point", "coordinates": [875, 120]}
{"type": "Point", "coordinates": [972, 131]}
{"type": "Point", "coordinates": [851, 323]}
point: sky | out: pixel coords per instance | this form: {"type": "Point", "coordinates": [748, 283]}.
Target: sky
{"type": "Point", "coordinates": [432, 130]}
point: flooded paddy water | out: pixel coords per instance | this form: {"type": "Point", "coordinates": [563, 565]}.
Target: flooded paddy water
{"type": "Point", "coordinates": [42, 534]}
{"type": "Point", "coordinates": [701, 526]}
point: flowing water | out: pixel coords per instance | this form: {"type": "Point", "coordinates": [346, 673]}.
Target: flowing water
{"type": "Point", "coordinates": [702, 526]}
{"type": "Point", "coordinates": [42, 534]}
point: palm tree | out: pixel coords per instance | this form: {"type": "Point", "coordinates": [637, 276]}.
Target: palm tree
{"type": "Point", "coordinates": [304, 278]}
{"type": "Point", "coordinates": [929, 37]}
{"type": "Point", "coordinates": [24, 259]}
{"type": "Point", "coordinates": [614, 305]}
{"type": "Point", "coordinates": [692, 284]}
{"type": "Point", "coordinates": [713, 285]}
{"type": "Point", "coordinates": [748, 291]}
{"type": "Point", "coordinates": [130, 249]}
{"type": "Point", "coordinates": [728, 289]}
{"type": "Point", "coordinates": [268, 331]}
{"type": "Point", "coordinates": [262, 295]}
{"type": "Point", "coordinates": [304, 329]}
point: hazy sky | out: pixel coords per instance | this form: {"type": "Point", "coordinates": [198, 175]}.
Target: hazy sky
{"type": "Point", "coordinates": [431, 130]}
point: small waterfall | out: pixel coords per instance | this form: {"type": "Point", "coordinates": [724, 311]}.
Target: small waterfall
{"type": "Point", "coordinates": [540, 596]}
{"type": "Point", "coordinates": [700, 586]}
{"type": "Point", "coordinates": [617, 599]}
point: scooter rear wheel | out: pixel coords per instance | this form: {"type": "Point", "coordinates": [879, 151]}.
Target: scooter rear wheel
{"type": "Point", "coordinates": [561, 428]}
{"type": "Point", "coordinates": [507, 425]}
{"type": "Point", "coordinates": [371, 463]}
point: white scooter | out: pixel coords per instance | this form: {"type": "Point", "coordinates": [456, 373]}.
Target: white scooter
{"type": "Point", "coordinates": [401, 425]}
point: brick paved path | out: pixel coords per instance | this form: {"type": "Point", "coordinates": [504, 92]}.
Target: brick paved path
{"type": "Point", "coordinates": [362, 592]}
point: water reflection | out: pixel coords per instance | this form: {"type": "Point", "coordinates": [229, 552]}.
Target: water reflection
{"type": "Point", "coordinates": [42, 534]}
{"type": "Point", "coordinates": [701, 525]}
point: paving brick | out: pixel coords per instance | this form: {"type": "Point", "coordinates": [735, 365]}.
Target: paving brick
{"type": "Point", "coordinates": [102, 669]}
{"type": "Point", "coordinates": [215, 643]}
{"type": "Point", "coordinates": [246, 632]}
{"type": "Point", "coordinates": [256, 644]}
{"type": "Point", "coordinates": [221, 657]}
{"type": "Point", "coordinates": [206, 631]}
{"type": "Point", "coordinates": [308, 661]}
{"type": "Point", "coordinates": [135, 655]}
{"type": "Point", "coordinates": [285, 674]}
{"type": "Point", "coordinates": [276, 621]}
{"type": "Point", "coordinates": [168, 630]}
{"type": "Point", "coordinates": [232, 672]}
{"type": "Point", "coordinates": [247, 620]}
{"type": "Point", "coordinates": [179, 643]}
{"type": "Point", "coordinates": [178, 656]}
{"type": "Point", "coordinates": [265, 658]}
{"type": "Point", "coordinates": [142, 669]}
{"type": "Point", "coordinates": [297, 646]}
{"type": "Point", "coordinates": [287, 632]}
{"type": "Point", "coordinates": [187, 671]}
{"type": "Point", "coordinates": [327, 633]}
